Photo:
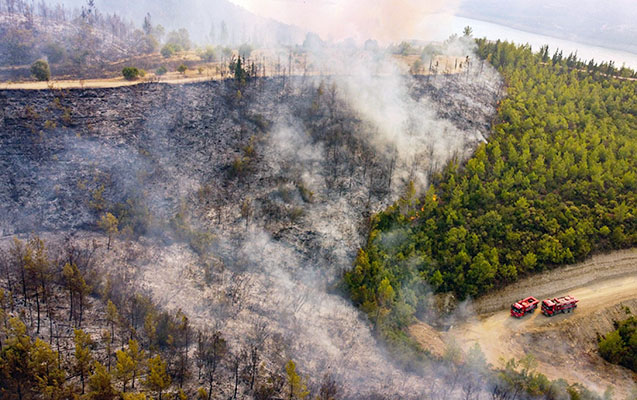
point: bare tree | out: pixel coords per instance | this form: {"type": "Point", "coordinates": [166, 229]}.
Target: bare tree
{"type": "Point", "coordinates": [183, 344]}
{"type": "Point", "coordinates": [330, 389]}
{"type": "Point", "coordinates": [256, 341]}
{"type": "Point", "coordinates": [211, 353]}
{"type": "Point", "coordinates": [235, 363]}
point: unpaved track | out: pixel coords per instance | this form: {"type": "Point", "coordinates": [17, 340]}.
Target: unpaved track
{"type": "Point", "coordinates": [564, 345]}
{"type": "Point", "coordinates": [449, 65]}
{"type": "Point", "coordinates": [618, 264]}
{"type": "Point", "coordinates": [103, 83]}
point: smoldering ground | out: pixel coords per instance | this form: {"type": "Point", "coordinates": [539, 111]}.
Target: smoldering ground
{"type": "Point", "coordinates": [283, 177]}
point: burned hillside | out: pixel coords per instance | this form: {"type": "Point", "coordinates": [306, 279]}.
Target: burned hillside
{"type": "Point", "coordinates": [240, 203]}
{"type": "Point", "coordinates": [60, 147]}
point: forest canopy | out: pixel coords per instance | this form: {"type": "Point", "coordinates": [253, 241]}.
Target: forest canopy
{"type": "Point", "coordinates": [556, 182]}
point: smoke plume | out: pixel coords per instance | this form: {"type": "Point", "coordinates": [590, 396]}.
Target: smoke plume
{"type": "Point", "coordinates": [383, 20]}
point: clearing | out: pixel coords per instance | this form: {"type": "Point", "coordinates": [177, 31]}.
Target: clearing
{"type": "Point", "coordinates": [199, 71]}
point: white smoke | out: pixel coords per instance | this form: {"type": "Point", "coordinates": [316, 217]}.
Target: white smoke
{"type": "Point", "coordinates": [383, 20]}
{"type": "Point", "coordinates": [288, 281]}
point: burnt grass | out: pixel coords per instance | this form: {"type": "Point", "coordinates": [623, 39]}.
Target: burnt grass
{"type": "Point", "coordinates": [152, 151]}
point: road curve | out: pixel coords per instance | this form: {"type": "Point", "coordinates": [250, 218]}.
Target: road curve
{"type": "Point", "coordinates": [564, 345]}
{"type": "Point", "coordinates": [609, 266]}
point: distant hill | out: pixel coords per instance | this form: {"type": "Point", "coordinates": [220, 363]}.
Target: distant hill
{"type": "Point", "coordinates": [203, 19]}
{"type": "Point", "coordinates": [609, 24]}
{"type": "Point", "coordinates": [62, 39]}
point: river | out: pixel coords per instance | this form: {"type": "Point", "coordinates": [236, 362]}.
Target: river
{"type": "Point", "coordinates": [493, 31]}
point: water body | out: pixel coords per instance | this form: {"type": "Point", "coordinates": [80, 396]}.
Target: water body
{"type": "Point", "coordinates": [495, 31]}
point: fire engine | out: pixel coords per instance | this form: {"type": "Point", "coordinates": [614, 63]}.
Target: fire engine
{"type": "Point", "coordinates": [520, 308]}
{"type": "Point", "coordinates": [564, 304]}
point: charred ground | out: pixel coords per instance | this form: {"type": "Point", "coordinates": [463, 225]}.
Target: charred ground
{"type": "Point", "coordinates": [59, 147]}
{"type": "Point", "coordinates": [239, 204]}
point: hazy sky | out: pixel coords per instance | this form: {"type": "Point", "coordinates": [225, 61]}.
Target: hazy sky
{"type": "Point", "coordinates": [608, 23]}
{"type": "Point", "coordinates": [385, 20]}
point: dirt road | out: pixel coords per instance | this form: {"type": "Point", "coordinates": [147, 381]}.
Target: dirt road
{"type": "Point", "coordinates": [608, 266]}
{"type": "Point", "coordinates": [564, 345]}
{"type": "Point", "coordinates": [172, 78]}
{"type": "Point", "coordinates": [211, 71]}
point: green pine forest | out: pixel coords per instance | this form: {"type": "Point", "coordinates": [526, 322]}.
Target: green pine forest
{"type": "Point", "coordinates": [556, 182]}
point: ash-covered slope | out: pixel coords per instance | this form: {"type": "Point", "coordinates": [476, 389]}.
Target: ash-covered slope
{"type": "Point", "coordinates": [270, 183]}
{"type": "Point", "coordinates": [59, 147]}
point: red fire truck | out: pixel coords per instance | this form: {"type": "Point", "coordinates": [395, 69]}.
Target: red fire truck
{"type": "Point", "coordinates": [520, 308]}
{"type": "Point", "coordinates": [557, 305]}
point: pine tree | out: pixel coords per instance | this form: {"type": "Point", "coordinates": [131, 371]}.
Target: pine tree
{"type": "Point", "coordinates": [83, 355]}
{"type": "Point", "coordinates": [384, 298]}
{"type": "Point", "coordinates": [109, 224]}
{"type": "Point", "coordinates": [107, 340]}
{"type": "Point", "coordinates": [137, 356]}
{"type": "Point", "coordinates": [210, 354]}
{"type": "Point", "coordinates": [148, 25]}
{"type": "Point", "coordinates": [100, 385]}
{"type": "Point", "coordinates": [78, 289]}
{"type": "Point", "coordinates": [134, 396]}
{"type": "Point", "coordinates": [3, 311]}
{"type": "Point", "coordinates": [46, 371]}
{"type": "Point", "coordinates": [182, 345]}
{"type": "Point", "coordinates": [112, 316]}
{"type": "Point", "coordinates": [37, 269]}
{"type": "Point", "coordinates": [28, 368]}
{"type": "Point", "coordinates": [158, 379]}
{"type": "Point", "coordinates": [18, 254]}
{"type": "Point", "coordinates": [297, 385]}
{"type": "Point", "coordinates": [124, 368]}
{"type": "Point", "coordinates": [15, 371]}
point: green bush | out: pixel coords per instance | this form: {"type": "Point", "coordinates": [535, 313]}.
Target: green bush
{"type": "Point", "coordinates": [620, 345]}
{"type": "Point", "coordinates": [182, 68]}
{"type": "Point", "coordinates": [132, 73]}
{"type": "Point", "coordinates": [168, 50]}
{"type": "Point", "coordinates": [40, 70]}
{"type": "Point", "coordinates": [239, 167]}
{"type": "Point", "coordinates": [161, 70]}
{"type": "Point", "coordinates": [199, 240]}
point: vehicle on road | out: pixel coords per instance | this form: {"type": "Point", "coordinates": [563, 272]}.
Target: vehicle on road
{"type": "Point", "coordinates": [564, 304]}
{"type": "Point", "coordinates": [520, 308]}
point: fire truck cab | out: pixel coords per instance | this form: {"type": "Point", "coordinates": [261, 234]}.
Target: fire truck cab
{"type": "Point", "coordinates": [565, 304]}
{"type": "Point", "coordinates": [520, 308]}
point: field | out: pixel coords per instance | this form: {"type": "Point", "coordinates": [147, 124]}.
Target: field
{"type": "Point", "coordinates": [268, 61]}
